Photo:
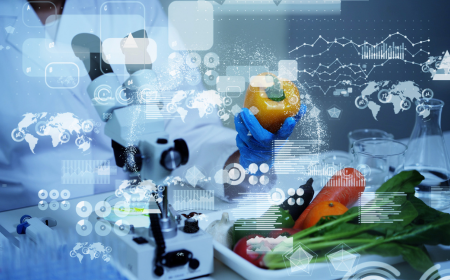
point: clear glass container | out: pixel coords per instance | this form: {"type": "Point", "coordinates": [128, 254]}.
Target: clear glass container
{"type": "Point", "coordinates": [427, 151]}
{"type": "Point", "coordinates": [366, 133]}
{"type": "Point", "coordinates": [378, 159]}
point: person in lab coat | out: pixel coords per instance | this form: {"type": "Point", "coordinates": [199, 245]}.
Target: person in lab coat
{"type": "Point", "coordinates": [36, 39]}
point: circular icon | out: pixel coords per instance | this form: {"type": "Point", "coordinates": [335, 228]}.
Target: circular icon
{"type": "Point", "coordinates": [64, 137]}
{"type": "Point", "coordinates": [161, 188]}
{"type": "Point", "coordinates": [102, 209]}
{"type": "Point", "coordinates": [364, 169]}
{"type": "Point", "coordinates": [108, 250]}
{"type": "Point", "coordinates": [425, 68]}
{"type": "Point", "coordinates": [384, 96]}
{"type": "Point", "coordinates": [43, 194]}
{"type": "Point", "coordinates": [85, 250]}
{"type": "Point", "coordinates": [291, 201]}
{"type": "Point", "coordinates": [96, 130]}
{"type": "Point", "coordinates": [87, 126]}
{"type": "Point", "coordinates": [264, 168]}
{"type": "Point", "coordinates": [17, 135]}
{"type": "Point", "coordinates": [175, 60]}
{"type": "Point", "coordinates": [103, 94]}
{"type": "Point", "coordinates": [79, 141]}
{"type": "Point", "coordinates": [300, 201]}
{"type": "Point", "coordinates": [405, 104]}
{"type": "Point", "coordinates": [276, 196]}
{"type": "Point", "coordinates": [121, 209]}
{"type": "Point", "coordinates": [171, 108]}
{"type": "Point", "coordinates": [193, 78]}
{"type": "Point", "coordinates": [121, 227]}
{"type": "Point", "coordinates": [40, 128]}
{"type": "Point", "coordinates": [210, 77]}
{"type": "Point", "coordinates": [65, 205]}
{"type": "Point", "coordinates": [84, 228]}
{"type": "Point", "coordinates": [102, 228]}
{"type": "Point", "coordinates": [54, 194]}
{"type": "Point", "coordinates": [193, 60]}
{"type": "Point", "coordinates": [236, 173]}
{"type": "Point", "coordinates": [84, 209]}
{"type": "Point", "coordinates": [253, 180]}
{"type": "Point", "coordinates": [361, 102]}
{"type": "Point", "coordinates": [300, 192]}
{"type": "Point", "coordinates": [73, 254]}
{"type": "Point", "coordinates": [227, 101]}
{"type": "Point", "coordinates": [253, 168]}
{"type": "Point", "coordinates": [121, 96]}
{"type": "Point", "coordinates": [190, 102]}
{"type": "Point", "coordinates": [209, 109]}
{"type": "Point", "coordinates": [264, 180]}
{"type": "Point", "coordinates": [54, 205]}
{"type": "Point", "coordinates": [427, 93]}
{"type": "Point", "coordinates": [291, 192]}
{"type": "Point", "coordinates": [147, 94]}
{"type": "Point", "coordinates": [42, 205]}
{"type": "Point", "coordinates": [293, 99]}
{"type": "Point", "coordinates": [420, 108]}
{"type": "Point", "coordinates": [211, 60]}
{"type": "Point", "coordinates": [65, 194]}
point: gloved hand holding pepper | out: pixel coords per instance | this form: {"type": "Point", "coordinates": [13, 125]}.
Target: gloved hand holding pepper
{"type": "Point", "coordinates": [266, 120]}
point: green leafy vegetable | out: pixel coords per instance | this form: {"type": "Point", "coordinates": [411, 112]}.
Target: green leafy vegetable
{"type": "Point", "coordinates": [421, 225]}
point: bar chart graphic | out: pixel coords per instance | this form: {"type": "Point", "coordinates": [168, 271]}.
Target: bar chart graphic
{"type": "Point", "coordinates": [380, 207]}
{"type": "Point", "coordinates": [383, 51]}
{"type": "Point", "coordinates": [193, 200]}
{"type": "Point", "coordinates": [85, 172]}
{"type": "Point", "coordinates": [253, 212]}
{"type": "Point", "coordinates": [294, 156]}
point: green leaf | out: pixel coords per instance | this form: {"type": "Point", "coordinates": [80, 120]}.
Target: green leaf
{"type": "Point", "coordinates": [417, 257]}
{"type": "Point", "coordinates": [404, 182]}
{"type": "Point", "coordinates": [275, 92]}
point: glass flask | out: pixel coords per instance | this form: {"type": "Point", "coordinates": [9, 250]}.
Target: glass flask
{"type": "Point", "coordinates": [427, 152]}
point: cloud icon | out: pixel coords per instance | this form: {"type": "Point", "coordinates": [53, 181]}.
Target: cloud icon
{"type": "Point", "coordinates": [9, 29]}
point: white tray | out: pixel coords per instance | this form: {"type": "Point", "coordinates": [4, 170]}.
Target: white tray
{"type": "Point", "coordinates": [247, 270]}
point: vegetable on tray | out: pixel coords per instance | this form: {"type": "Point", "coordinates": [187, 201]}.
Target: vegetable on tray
{"type": "Point", "coordinates": [343, 187]}
{"type": "Point", "coordinates": [221, 230]}
{"type": "Point", "coordinates": [417, 225]}
{"type": "Point", "coordinates": [323, 209]}
{"type": "Point", "coordinates": [244, 227]}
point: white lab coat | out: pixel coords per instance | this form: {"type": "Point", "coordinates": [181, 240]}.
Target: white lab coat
{"type": "Point", "coordinates": [23, 173]}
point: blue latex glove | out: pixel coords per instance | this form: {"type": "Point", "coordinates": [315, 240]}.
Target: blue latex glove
{"type": "Point", "coordinates": [257, 147]}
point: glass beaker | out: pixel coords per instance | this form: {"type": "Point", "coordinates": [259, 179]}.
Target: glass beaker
{"type": "Point", "coordinates": [366, 133]}
{"type": "Point", "coordinates": [378, 159]}
{"type": "Point", "coordinates": [427, 151]}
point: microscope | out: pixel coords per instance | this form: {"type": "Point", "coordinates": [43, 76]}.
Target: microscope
{"type": "Point", "coordinates": [167, 250]}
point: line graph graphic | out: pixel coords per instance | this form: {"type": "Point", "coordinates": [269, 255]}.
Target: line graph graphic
{"type": "Point", "coordinates": [337, 42]}
{"type": "Point", "coordinates": [193, 200]}
{"type": "Point", "coordinates": [331, 75]}
{"type": "Point", "coordinates": [85, 172]}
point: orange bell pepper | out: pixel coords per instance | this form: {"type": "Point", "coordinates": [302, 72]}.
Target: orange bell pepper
{"type": "Point", "coordinates": [275, 100]}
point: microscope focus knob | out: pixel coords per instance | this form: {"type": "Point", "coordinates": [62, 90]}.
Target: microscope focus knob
{"type": "Point", "coordinates": [194, 264]}
{"type": "Point", "coordinates": [182, 148]}
{"type": "Point", "coordinates": [170, 159]}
